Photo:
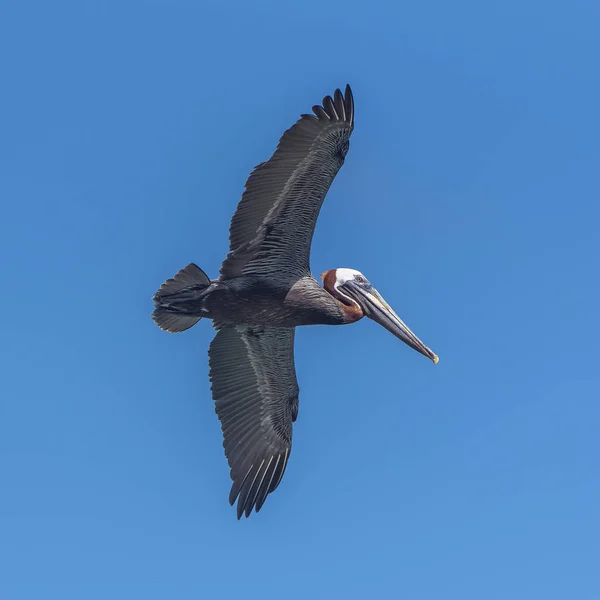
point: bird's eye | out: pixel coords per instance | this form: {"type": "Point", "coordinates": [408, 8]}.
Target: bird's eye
{"type": "Point", "coordinates": [359, 279]}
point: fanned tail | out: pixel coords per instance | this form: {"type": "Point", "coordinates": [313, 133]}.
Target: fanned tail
{"type": "Point", "coordinates": [178, 301]}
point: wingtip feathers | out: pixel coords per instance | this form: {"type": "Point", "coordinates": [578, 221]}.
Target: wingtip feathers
{"type": "Point", "coordinates": [252, 489]}
{"type": "Point", "coordinates": [340, 107]}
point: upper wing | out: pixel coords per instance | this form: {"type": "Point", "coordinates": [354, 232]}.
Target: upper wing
{"type": "Point", "coordinates": [273, 225]}
{"type": "Point", "coordinates": [256, 398]}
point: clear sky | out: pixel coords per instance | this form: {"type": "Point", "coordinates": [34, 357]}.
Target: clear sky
{"type": "Point", "coordinates": [470, 198]}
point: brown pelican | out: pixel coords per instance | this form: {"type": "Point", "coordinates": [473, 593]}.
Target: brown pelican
{"type": "Point", "coordinates": [265, 290]}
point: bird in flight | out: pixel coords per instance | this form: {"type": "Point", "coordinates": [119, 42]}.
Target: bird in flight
{"type": "Point", "coordinates": [265, 290]}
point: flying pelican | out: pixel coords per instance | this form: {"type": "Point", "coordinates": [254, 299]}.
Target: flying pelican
{"type": "Point", "coordinates": [265, 290]}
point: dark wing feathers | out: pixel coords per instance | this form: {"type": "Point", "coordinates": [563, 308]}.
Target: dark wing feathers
{"type": "Point", "coordinates": [320, 112]}
{"type": "Point", "coordinates": [273, 225]}
{"type": "Point", "coordinates": [256, 398]}
{"type": "Point", "coordinates": [338, 101]}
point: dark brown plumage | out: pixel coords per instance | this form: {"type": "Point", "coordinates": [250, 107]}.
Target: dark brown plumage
{"type": "Point", "coordinates": [265, 290]}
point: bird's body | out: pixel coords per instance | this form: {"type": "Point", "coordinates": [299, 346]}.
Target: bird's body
{"type": "Point", "coordinates": [256, 300]}
{"type": "Point", "coordinates": [265, 291]}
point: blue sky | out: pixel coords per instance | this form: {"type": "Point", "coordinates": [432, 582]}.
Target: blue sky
{"type": "Point", "coordinates": [472, 193]}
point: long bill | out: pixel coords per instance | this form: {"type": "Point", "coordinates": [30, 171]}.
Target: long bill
{"type": "Point", "coordinates": [376, 308]}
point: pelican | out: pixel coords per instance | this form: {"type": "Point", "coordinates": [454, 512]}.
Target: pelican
{"type": "Point", "coordinates": [265, 290]}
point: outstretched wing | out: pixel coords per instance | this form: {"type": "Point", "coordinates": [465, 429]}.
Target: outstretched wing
{"type": "Point", "coordinates": [256, 398]}
{"type": "Point", "coordinates": [273, 225]}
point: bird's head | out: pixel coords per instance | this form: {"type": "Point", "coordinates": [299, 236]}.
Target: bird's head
{"type": "Point", "coordinates": [354, 290]}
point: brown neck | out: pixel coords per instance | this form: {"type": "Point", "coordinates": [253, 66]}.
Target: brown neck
{"type": "Point", "coordinates": [352, 311]}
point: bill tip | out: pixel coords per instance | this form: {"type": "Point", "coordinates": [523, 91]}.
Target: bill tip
{"type": "Point", "coordinates": [436, 359]}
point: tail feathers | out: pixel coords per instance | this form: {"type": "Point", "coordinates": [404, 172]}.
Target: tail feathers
{"type": "Point", "coordinates": [185, 278]}
{"type": "Point", "coordinates": [173, 322]}
{"type": "Point", "coordinates": [176, 300]}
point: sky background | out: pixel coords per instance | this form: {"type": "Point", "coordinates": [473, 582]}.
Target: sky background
{"type": "Point", "coordinates": [471, 194]}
